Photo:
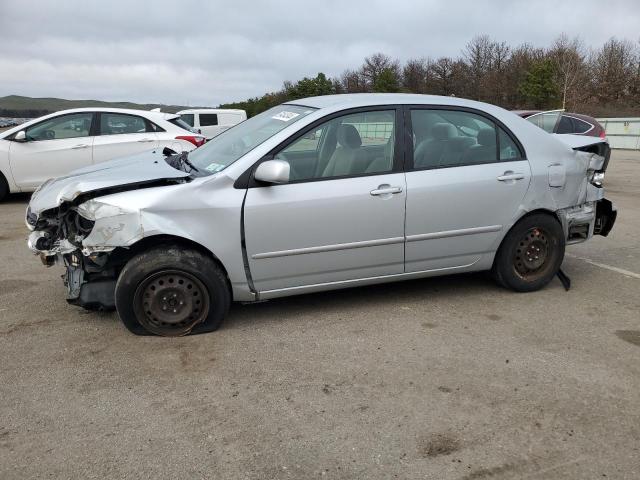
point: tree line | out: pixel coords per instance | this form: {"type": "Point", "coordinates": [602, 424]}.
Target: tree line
{"type": "Point", "coordinates": [601, 81]}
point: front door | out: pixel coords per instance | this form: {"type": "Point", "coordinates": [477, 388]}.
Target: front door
{"type": "Point", "coordinates": [465, 185]}
{"type": "Point", "coordinates": [341, 216]}
{"type": "Point", "coordinates": [53, 147]}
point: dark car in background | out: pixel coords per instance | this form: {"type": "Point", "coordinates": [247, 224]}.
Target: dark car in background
{"type": "Point", "coordinates": [558, 121]}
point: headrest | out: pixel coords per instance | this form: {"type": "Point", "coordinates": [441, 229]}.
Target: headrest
{"type": "Point", "coordinates": [443, 131]}
{"type": "Point", "coordinates": [487, 137]}
{"type": "Point", "coordinates": [348, 136]}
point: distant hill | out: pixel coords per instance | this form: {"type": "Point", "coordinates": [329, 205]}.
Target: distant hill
{"type": "Point", "coordinates": [29, 107]}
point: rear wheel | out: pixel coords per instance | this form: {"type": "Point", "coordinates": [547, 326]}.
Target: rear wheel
{"type": "Point", "coordinates": [530, 254]}
{"type": "Point", "coordinates": [171, 292]}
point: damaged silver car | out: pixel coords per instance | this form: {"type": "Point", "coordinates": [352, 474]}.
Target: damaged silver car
{"type": "Point", "coordinates": [318, 194]}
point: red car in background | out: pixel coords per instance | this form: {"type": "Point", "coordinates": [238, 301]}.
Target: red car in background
{"type": "Point", "coordinates": [559, 121]}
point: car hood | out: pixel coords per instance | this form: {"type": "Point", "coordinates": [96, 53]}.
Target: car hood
{"type": "Point", "coordinates": [128, 171]}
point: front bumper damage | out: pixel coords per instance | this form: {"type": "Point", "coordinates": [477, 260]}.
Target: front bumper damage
{"type": "Point", "coordinates": [88, 286]}
{"type": "Point", "coordinates": [90, 246]}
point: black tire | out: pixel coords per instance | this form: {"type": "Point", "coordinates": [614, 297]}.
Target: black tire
{"type": "Point", "coordinates": [172, 291]}
{"type": "Point", "coordinates": [4, 187]}
{"type": "Point", "coordinates": [531, 253]}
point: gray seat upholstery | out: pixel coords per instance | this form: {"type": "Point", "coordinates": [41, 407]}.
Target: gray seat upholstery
{"type": "Point", "coordinates": [347, 157]}
{"type": "Point", "coordinates": [429, 152]}
{"type": "Point", "coordinates": [456, 148]}
{"type": "Point", "coordinates": [383, 163]}
{"type": "Point", "coordinates": [485, 150]}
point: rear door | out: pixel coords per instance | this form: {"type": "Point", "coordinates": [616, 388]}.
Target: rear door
{"type": "Point", "coordinates": [466, 179]}
{"type": "Point", "coordinates": [121, 135]}
{"type": "Point", "coordinates": [341, 216]}
{"type": "Point", "coordinates": [53, 147]}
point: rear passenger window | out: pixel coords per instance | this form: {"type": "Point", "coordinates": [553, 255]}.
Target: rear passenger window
{"type": "Point", "coordinates": [581, 126]}
{"type": "Point", "coordinates": [508, 148]}
{"type": "Point", "coordinates": [565, 125]}
{"type": "Point", "coordinates": [448, 138]}
{"type": "Point", "coordinates": [187, 118]}
{"type": "Point", "coordinates": [208, 119]}
{"type": "Point", "coordinates": [116, 123]}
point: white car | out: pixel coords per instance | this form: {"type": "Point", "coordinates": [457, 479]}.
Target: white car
{"type": "Point", "coordinates": [211, 122]}
{"type": "Point", "coordinates": [54, 145]}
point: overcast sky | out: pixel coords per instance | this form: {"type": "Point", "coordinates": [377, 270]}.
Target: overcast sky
{"type": "Point", "coordinates": [208, 52]}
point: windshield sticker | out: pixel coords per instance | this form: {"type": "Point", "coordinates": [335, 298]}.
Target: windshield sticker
{"type": "Point", "coordinates": [285, 116]}
{"type": "Point", "coordinates": [214, 167]}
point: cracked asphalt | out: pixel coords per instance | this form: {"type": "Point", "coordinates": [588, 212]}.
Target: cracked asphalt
{"type": "Point", "coordinates": [442, 378]}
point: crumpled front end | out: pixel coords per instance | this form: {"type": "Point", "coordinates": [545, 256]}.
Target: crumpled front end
{"type": "Point", "coordinates": [83, 238]}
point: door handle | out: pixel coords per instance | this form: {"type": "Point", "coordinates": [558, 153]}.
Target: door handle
{"type": "Point", "coordinates": [508, 176]}
{"type": "Point", "coordinates": [82, 145]}
{"type": "Point", "coordinates": [385, 190]}
{"type": "Point", "coordinates": [146, 140]}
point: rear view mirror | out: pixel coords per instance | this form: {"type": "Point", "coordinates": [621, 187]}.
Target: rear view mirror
{"type": "Point", "coordinates": [21, 136]}
{"type": "Point", "coordinates": [273, 171]}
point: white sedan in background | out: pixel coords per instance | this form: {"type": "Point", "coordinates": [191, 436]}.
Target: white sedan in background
{"type": "Point", "coordinates": [56, 144]}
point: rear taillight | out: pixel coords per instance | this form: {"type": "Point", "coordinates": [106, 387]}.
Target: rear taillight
{"type": "Point", "coordinates": [196, 140]}
{"type": "Point", "coordinates": [603, 134]}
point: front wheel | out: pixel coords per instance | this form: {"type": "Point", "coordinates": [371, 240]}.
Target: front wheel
{"type": "Point", "coordinates": [170, 291]}
{"type": "Point", "coordinates": [530, 254]}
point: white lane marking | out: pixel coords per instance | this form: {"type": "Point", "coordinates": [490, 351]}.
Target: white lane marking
{"type": "Point", "coordinates": [608, 267]}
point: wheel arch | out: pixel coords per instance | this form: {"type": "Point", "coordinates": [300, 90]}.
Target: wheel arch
{"type": "Point", "coordinates": [167, 239]}
{"type": "Point", "coordinates": [525, 215]}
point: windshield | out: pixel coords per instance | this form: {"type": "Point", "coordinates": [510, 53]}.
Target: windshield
{"type": "Point", "coordinates": [229, 146]}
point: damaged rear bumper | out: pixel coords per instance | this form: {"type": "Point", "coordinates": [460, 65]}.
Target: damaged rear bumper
{"type": "Point", "coordinates": [583, 221]}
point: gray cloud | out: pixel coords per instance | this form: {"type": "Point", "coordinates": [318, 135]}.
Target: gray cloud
{"type": "Point", "coordinates": [206, 53]}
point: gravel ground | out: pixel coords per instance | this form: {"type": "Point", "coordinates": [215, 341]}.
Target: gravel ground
{"type": "Point", "coordinates": [439, 378]}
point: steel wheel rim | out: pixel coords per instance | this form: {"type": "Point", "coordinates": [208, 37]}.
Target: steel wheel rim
{"type": "Point", "coordinates": [171, 302]}
{"type": "Point", "coordinates": [532, 254]}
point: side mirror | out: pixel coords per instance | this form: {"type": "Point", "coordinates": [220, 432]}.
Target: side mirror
{"type": "Point", "coordinates": [273, 171]}
{"type": "Point", "coordinates": [21, 136]}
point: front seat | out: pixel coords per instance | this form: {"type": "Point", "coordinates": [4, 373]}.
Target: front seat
{"type": "Point", "coordinates": [347, 155]}
{"type": "Point", "coordinates": [429, 152]}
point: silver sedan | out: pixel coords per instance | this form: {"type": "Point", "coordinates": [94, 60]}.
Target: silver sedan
{"type": "Point", "coordinates": [318, 194]}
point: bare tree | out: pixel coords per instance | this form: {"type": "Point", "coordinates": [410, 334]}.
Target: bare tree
{"type": "Point", "coordinates": [414, 75]}
{"type": "Point", "coordinates": [375, 65]}
{"type": "Point", "coordinates": [568, 56]}
{"type": "Point", "coordinates": [442, 73]}
{"type": "Point", "coordinates": [353, 82]}
{"type": "Point", "coordinates": [477, 56]}
{"type": "Point", "coordinates": [612, 69]}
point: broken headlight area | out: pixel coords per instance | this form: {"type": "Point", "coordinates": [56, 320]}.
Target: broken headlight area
{"type": "Point", "coordinates": [58, 231]}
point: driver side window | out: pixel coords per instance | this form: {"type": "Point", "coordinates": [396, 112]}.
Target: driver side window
{"type": "Point", "coordinates": [356, 144]}
{"type": "Point", "coordinates": [65, 126]}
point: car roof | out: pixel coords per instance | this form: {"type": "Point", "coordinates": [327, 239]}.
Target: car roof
{"type": "Point", "coordinates": [151, 114]}
{"type": "Point", "coordinates": [370, 99]}
{"type": "Point", "coordinates": [211, 110]}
